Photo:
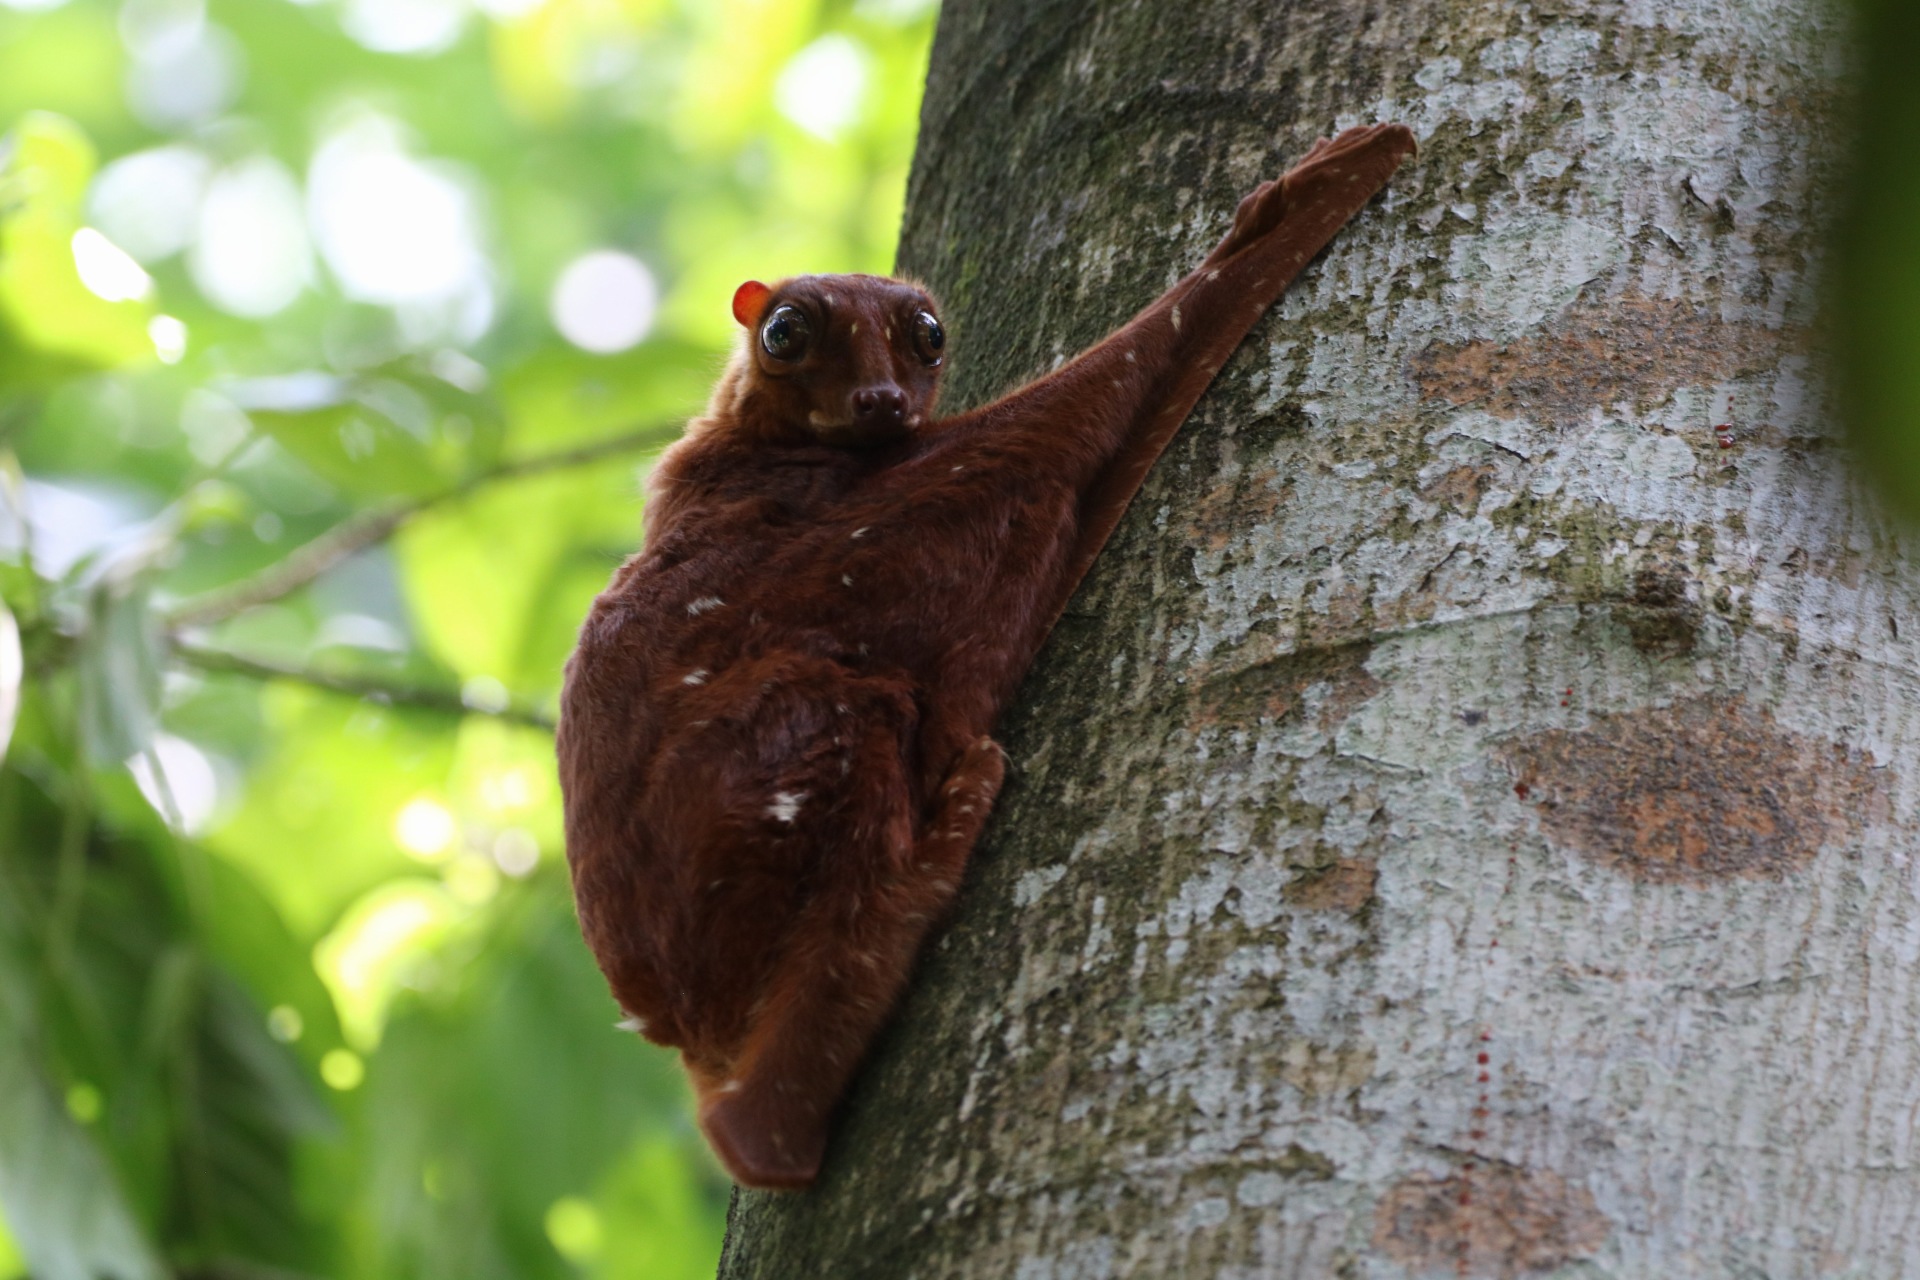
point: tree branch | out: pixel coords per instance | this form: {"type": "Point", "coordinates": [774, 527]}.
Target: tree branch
{"type": "Point", "coordinates": [368, 528]}
{"type": "Point", "coordinates": [445, 700]}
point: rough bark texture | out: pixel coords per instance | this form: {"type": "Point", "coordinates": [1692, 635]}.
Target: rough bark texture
{"type": "Point", "coordinates": [1463, 826]}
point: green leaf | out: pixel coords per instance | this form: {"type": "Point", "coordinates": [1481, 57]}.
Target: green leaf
{"type": "Point", "coordinates": [399, 429]}
{"type": "Point", "coordinates": [119, 663]}
{"type": "Point", "coordinates": [10, 671]}
{"type": "Point", "coordinates": [44, 166]}
{"type": "Point", "coordinates": [496, 1095]}
{"type": "Point", "coordinates": [198, 1107]}
{"type": "Point", "coordinates": [69, 1217]}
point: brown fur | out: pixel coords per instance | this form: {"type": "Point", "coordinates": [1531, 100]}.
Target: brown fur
{"type": "Point", "coordinates": [774, 740]}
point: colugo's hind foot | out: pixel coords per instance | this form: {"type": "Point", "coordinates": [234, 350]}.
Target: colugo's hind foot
{"type": "Point", "coordinates": [761, 1143]}
{"type": "Point", "coordinates": [1356, 160]}
{"type": "Point", "coordinates": [960, 811]}
{"type": "Point", "coordinates": [1328, 166]}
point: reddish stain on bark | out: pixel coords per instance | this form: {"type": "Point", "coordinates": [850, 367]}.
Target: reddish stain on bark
{"type": "Point", "coordinates": [1637, 349]}
{"type": "Point", "coordinates": [1278, 689]}
{"type": "Point", "coordinates": [1236, 505]}
{"type": "Point", "coordinates": [1460, 488]}
{"type": "Point", "coordinates": [1704, 790]}
{"type": "Point", "coordinates": [1345, 886]}
{"type": "Point", "coordinates": [1488, 1219]}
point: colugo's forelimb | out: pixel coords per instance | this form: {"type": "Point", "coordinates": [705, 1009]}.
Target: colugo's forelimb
{"type": "Point", "coordinates": [775, 740]}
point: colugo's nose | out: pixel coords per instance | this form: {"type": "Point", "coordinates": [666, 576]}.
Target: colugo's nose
{"type": "Point", "coordinates": [882, 406]}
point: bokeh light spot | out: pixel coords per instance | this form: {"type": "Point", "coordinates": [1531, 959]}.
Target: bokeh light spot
{"type": "Point", "coordinates": [285, 1024]}
{"type": "Point", "coordinates": [425, 828]}
{"type": "Point", "coordinates": [605, 301]}
{"type": "Point", "coordinates": [251, 256]}
{"type": "Point", "coordinates": [821, 88]}
{"type": "Point", "coordinates": [516, 852]}
{"type": "Point", "coordinates": [342, 1069]}
{"type": "Point", "coordinates": [471, 880]}
{"type": "Point", "coordinates": [574, 1227]}
{"type": "Point", "coordinates": [169, 336]}
{"type": "Point", "coordinates": [107, 269]}
{"type": "Point", "coordinates": [415, 27]}
{"type": "Point", "coordinates": [83, 1102]}
{"type": "Point", "coordinates": [485, 693]}
{"type": "Point", "coordinates": [148, 202]}
{"type": "Point", "coordinates": [392, 229]}
{"type": "Point", "coordinates": [184, 70]}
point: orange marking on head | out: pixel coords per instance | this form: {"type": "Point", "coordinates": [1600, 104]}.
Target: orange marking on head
{"type": "Point", "coordinates": [748, 301]}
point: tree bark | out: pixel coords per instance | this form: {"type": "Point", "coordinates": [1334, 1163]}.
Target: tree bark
{"type": "Point", "coordinates": [1462, 826]}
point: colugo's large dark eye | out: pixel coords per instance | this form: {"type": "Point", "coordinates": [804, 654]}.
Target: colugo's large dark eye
{"type": "Point", "coordinates": [929, 339]}
{"type": "Point", "coordinates": [785, 334]}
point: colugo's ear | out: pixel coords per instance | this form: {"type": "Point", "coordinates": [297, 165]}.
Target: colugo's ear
{"type": "Point", "coordinates": [747, 302]}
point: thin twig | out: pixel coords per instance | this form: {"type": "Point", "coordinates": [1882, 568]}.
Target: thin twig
{"type": "Point", "coordinates": [445, 700]}
{"type": "Point", "coordinates": [285, 576]}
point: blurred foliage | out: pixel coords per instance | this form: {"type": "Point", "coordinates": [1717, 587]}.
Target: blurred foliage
{"type": "Point", "coordinates": [1876, 325]}
{"type": "Point", "coordinates": [332, 337]}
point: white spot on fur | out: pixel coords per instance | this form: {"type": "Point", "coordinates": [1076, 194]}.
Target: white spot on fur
{"type": "Point", "coordinates": [1176, 319]}
{"type": "Point", "coordinates": [889, 333]}
{"type": "Point", "coordinates": [704, 604]}
{"type": "Point", "coordinates": [1130, 359]}
{"type": "Point", "coordinates": [853, 330]}
{"type": "Point", "coordinates": [862, 530]}
{"type": "Point", "coordinates": [786, 805]}
{"type": "Point", "coordinates": [846, 579]}
{"type": "Point", "coordinates": [696, 676]}
{"type": "Point", "coordinates": [829, 299]}
{"type": "Point", "coordinates": [1213, 275]}
{"type": "Point", "coordinates": [961, 467]}
{"type": "Point", "coordinates": [631, 1023]}
{"type": "Point", "coordinates": [731, 1086]}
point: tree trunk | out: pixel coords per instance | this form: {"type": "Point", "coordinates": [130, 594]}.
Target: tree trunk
{"type": "Point", "coordinates": [1461, 827]}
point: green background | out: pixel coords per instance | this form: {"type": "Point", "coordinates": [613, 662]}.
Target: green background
{"type": "Point", "coordinates": [289, 979]}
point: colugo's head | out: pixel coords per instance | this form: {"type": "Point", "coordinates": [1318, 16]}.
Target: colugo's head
{"type": "Point", "coordinates": [853, 359]}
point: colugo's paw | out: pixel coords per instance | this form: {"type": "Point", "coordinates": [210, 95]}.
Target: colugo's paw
{"type": "Point", "coordinates": [982, 768]}
{"type": "Point", "coordinates": [1363, 158]}
{"type": "Point", "coordinates": [1260, 211]}
{"type": "Point", "coordinates": [761, 1145]}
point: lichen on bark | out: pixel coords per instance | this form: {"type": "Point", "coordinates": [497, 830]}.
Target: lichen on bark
{"type": "Point", "coordinates": [1461, 826]}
